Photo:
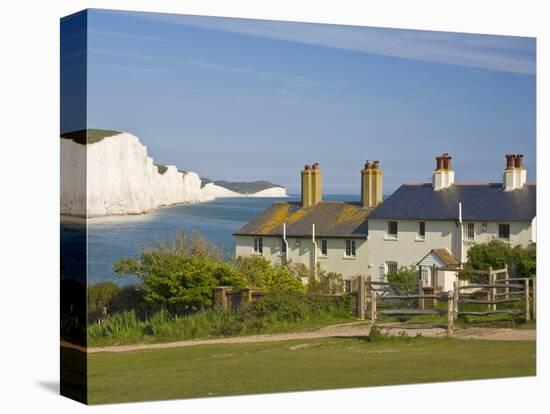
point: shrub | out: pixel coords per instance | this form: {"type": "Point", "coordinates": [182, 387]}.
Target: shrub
{"type": "Point", "coordinates": [177, 281]}
{"type": "Point", "coordinates": [405, 277]}
{"type": "Point", "coordinates": [522, 262]}
{"type": "Point", "coordinates": [325, 283]}
{"type": "Point", "coordinates": [259, 272]}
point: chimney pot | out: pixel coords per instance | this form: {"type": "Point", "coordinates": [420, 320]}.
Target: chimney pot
{"type": "Point", "coordinates": [443, 176]}
{"type": "Point", "coordinates": [307, 167]}
{"type": "Point", "coordinates": [316, 166]}
{"type": "Point", "coordinates": [510, 160]}
{"type": "Point", "coordinates": [367, 165]}
{"type": "Point", "coordinates": [519, 161]}
{"type": "Point", "coordinates": [438, 162]}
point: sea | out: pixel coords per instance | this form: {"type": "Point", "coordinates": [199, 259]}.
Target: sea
{"type": "Point", "coordinates": [113, 238]}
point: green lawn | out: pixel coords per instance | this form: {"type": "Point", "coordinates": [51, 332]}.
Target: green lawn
{"type": "Point", "coordinates": [210, 370]}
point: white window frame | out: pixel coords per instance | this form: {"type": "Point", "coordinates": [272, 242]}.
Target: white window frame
{"type": "Point", "coordinates": [258, 245]}
{"type": "Point", "coordinates": [498, 230]}
{"type": "Point", "coordinates": [324, 246]}
{"type": "Point", "coordinates": [419, 236]}
{"type": "Point", "coordinates": [392, 236]}
{"type": "Point", "coordinates": [351, 248]}
{"type": "Point", "coordinates": [470, 232]}
{"type": "Point", "coordinates": [347, 285]}
{"type": "Point", "coordinates": [391, 262]}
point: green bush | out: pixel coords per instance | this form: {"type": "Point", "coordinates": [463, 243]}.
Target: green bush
{"type": "Point", "coordinates": [406, 278]}
{"type": "Point", "coordinates": [257, 271]}
{"type": "Point", "coordinates": [178, 282]}
{"type": "Point", "coordinates": [326, 283]}
{"type": "Point", "coordinates": [521, 261]}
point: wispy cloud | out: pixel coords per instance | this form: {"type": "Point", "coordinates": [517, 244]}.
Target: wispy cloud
{"type": "Point", "coordinates": [489, 52]}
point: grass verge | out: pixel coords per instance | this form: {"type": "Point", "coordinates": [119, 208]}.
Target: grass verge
{"type": "Point", "coordinates": [235, 369]}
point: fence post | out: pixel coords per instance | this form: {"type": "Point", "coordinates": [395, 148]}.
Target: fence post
{"type": "Point", "coordinates": [527, 311]}
{"type": "Point", "coordinates": [455, 300]}
{"type": "Point", "coordinates": [361, 299]}
{"type": "Point", "coordinates": [421, 292]}
{"type": "Point", "coordinates": [373, 308]}
{"type": "Point", "coordinates": [507, 289]}
{"type": "Point", "coordinates": [450, 306]}
{"type": "Point", "coordinates": [492, 281]}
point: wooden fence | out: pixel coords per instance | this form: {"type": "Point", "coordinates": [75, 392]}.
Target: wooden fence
{"type": "Point", "coordinates": [370, 294]}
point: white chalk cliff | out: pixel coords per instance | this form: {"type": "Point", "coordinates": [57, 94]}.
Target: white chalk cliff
{"type": "Point", "coordinates": [113, 175]}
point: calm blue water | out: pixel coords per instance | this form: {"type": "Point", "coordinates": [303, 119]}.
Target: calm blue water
{"type": "Point", "coordinates": [110, 239]}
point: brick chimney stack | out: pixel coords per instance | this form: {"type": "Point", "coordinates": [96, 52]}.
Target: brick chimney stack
{"type": "Point", "coordinates": [515, 174]}
{"type": "Point", "coordinates": [371, 184]}
{"type": "Point", "coordinates": [443, 176]}
{"type": "Point", "coordinates": [312, 185]}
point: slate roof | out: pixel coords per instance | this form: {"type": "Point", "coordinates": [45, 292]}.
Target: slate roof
{"type": "Point", "coordinates": [444, 255]}
{"type": "Point", "coordinates": [480, 202]}
{"type": "Point", "coordinates": [331, 218]}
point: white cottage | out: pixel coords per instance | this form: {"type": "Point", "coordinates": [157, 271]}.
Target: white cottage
{"type": "Point", "coordinates": [332, 234]}
{"type": "Point", "coordinates": [428, 225]}
{"type": "Point", "coordinates": [419, 219]}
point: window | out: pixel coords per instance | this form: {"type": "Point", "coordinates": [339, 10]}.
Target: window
{"type": "Point", "coordinates": [347, 285]}
{"type": "Point", "coordinates": [350, 248]}
{"type": "Point", "coordinates": [324, 247]}
{"type": "Point", "coordinates": [258, 245]}
{"type": "Point", "coordinates": [391, 267]}
{"type": "Point", "coordinates": [470, 231]}
{"type": "Point", "coordinates": [392, 230]}
{"type": "Point", "coordinates": [283, 246]}
{"type": "Point", "coordinates": [421, 230]}
{"type": "Point", "coordinates": [504, 231]}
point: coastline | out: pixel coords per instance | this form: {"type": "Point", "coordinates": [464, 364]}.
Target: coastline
{"type": "Point", "coordinates": [79, 219]}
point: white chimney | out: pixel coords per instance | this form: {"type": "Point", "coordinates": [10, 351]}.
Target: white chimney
{"type": "Point", "coordinates": [515, 174]}
{"type": "Point", "coordinates": [443, 175]}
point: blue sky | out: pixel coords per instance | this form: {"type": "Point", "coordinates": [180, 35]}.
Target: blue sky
{"type": "Point", "coordinates": [244, 99]}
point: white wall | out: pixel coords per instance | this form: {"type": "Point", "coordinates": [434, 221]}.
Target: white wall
{"type": "Point", "coordinates": [408, 250]}
{"type": "Point", "coordinates": [334, 261]}
{"type": "Point", "coordinates": [521, 233]}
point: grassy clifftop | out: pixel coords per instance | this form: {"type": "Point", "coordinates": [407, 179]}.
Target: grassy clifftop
{"type": "Point", "coordinates": [89, 136]}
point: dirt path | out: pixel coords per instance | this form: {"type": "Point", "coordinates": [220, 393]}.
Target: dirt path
{"type": "Point", "coordinates": [342, 330]}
